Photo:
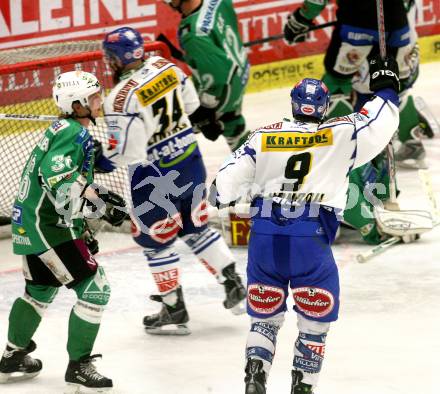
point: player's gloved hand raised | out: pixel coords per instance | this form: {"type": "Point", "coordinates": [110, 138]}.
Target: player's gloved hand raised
{"type": "Point", "coordinates": [204, 120]}
{"type": "Point", "coordinates": [296, 27]}
{"type": "Point", "coordinates": [384, 73]}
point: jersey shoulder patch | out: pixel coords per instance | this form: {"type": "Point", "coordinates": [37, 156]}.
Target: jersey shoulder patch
{"type": "Point", "coordinates": [58, 125]}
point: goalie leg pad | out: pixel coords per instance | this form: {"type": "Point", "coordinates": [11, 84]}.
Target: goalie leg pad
{"type": "Point", "coordinates": [403, 223]}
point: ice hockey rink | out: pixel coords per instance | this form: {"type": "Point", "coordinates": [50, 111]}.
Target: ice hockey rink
{"type": "Point", "coordinates": [386, 340]}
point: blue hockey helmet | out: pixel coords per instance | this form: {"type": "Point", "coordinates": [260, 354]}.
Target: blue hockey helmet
{"type": "Point", "coordinates": [310, 97]}
{"type": "Point", "coordinates": [125, 44]}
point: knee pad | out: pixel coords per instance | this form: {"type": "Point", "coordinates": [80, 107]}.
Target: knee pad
{"type": "Point", "coordinates": [164, 265]}
{"type": "Point", "coordinates": [94, 290]}
{"type": "Point", "coordinates": [39, 297]}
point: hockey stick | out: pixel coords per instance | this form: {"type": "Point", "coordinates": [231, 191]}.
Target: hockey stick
{"type": "Point", "coordinates": [281, 36]}
{"type": "Point", "coordinates": [392, 203]}
{"type": "Point", "coordinates": [176, 53]}
{"type": "Point", "coordinates": [36, 118]}
{"type": "Point", "coordinates": [378, 249]}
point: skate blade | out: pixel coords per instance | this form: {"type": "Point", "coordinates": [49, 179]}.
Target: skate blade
{"type": "Point", "coordinates": [16, 377]}
{"type": "Point", "coordinates": [73, 388]}
{"type": "Point", "coordinates": [169, 329]}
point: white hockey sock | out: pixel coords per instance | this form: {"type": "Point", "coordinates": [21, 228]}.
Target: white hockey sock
{"type": "Point", "coordinates": [310, 348]}
{"type": "Point", "coordinates": [262, 339]}
{"type": "Point", "coordinates": [211, 250]}
{"type": "Point", "coordinates": [164, 265]}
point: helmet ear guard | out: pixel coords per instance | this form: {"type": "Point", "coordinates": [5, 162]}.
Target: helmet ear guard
{"type": "Point", "coordinates": [310, 97]}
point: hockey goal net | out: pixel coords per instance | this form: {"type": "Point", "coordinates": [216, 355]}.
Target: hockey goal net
{"type": "Point", "coordinates": [26, 79]}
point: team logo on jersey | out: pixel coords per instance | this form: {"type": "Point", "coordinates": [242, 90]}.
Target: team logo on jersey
{"type": "Point", "coordinates": [158, 87]}
{"type": "Point", "coordinates": [17, 217]}
{"type": "Point", "coordinates": [273, 126]}
{"type": "Point", "coordinates": [265, 299]}
{"type": "Point", "coordinates": [287, 141]}
{"type": "Point", "coordinates": [313, 301]}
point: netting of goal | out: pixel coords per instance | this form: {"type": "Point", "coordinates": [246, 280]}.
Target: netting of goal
{"type": "Point", "coordinates": [26, 79]}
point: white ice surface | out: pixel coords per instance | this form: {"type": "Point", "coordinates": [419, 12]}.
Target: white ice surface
{"type": "Point", "coordinates": [386, 340]}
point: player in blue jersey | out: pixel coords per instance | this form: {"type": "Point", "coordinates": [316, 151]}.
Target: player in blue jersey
{"type": "Point", "coordinates": [296, 175]}
{"type": "Point", "coordinates": [148, 114]}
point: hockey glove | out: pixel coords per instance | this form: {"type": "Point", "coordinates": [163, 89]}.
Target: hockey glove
{"type": "Point", "coordinates": [115, 210]}
{"type": "Point", "coordinates": [102, 165]}
{"type": "Point", "coordinates": [296, 27]}
{"type": "Point", "coordinates": [106, 205]}
{"type": "Point", "coordinates": [384, 73]}
{"type": "Point", "coordinates": [204, 120]}
{"type": "Point", "coordinates": [90, 240]}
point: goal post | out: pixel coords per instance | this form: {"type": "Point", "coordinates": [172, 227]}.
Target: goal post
{"type": "Point", "coordinates": [26, 79]}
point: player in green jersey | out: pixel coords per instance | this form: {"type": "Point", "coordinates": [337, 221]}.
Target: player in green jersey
{"type": "Point", "coordinates": [47, 229]}
{"type": "Point", "coordinates": [209, 36]}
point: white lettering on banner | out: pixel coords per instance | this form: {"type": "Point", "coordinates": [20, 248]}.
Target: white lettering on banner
{"type": "Point", "coordinates": [114, 8]}
{"type": "Point", "coordinates": [40, 21]}
{"type": "Point", "coordinates": [265, 27]}
{"type": "Point", "coordinates": [18, 25]}
{"type": "Point", "coordinates": [134, 10]}
{"type": "Point", "coordinates": [79, 14]}
{"type": "Point", "coordinates": [423, 10]}
{"type": "Point", "coordinates": [4, 30]}
{"type": "Point", "coordinates": [47, 22]}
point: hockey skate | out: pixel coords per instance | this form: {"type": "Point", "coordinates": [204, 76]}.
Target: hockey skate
{"type": "Point", "coordinates": [297, 386]}
{"type": "Point", "coordinates": [17, 365]}
{"type": "Point", "coordinates": [235, 291]}
{"type": "Point", "coordinates": [171, 320]}
{"type": "Point", "coordinates": [82, 377]}
{"type": "Point", "coordinates": [255, 378]}
{"type": "Point", "coordinates": [411, 154]}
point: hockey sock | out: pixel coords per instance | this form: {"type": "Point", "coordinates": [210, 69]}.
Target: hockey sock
{"type": "Point", "coordinates": [409, 119]}
{"type": "Point", "coordinates": [26, 314]}
{"type": "Point", "coordinates": [310, 348]}
{"type": "Point", "coordinates": [212, 251]}
{"type": "Point", "coordinates": [164, 265]}
{"type": "Point", "coordinates": [262, 339]}
{"type": "Point", "coordinates": [85, 318]}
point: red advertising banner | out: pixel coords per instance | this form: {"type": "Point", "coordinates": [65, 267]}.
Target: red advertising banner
{"type": "Point", "coordinates": [33, 22]}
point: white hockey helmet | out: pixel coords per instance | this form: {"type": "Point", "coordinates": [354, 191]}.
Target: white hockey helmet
{"type": "Point", "coordinates": [74, 86]}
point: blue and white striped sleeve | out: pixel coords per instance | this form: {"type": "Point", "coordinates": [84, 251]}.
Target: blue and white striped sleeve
{"type": "Point", "coordinates": [375, 125]}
